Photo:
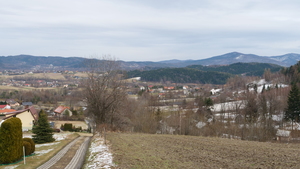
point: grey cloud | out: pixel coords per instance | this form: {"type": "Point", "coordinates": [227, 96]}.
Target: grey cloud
{"type": "Point", "coordinates": [149, 30]}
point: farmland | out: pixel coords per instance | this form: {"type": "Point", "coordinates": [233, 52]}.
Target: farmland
{"type": "Point", "coordinates": [173, 151]}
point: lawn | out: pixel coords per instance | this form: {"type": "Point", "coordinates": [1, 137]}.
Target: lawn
{"type": "Point", "coordinates": [174, 151]}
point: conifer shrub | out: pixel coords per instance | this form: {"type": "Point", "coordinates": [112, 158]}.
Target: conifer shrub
{"type": "Point", "coordinates": [42, 130]}
{"type": "Point", "coordinates": [11, 142]}
{"type": "Point", "coordinates": [27, 146]}
{"type": "Point", "coordinates": [31, 143]}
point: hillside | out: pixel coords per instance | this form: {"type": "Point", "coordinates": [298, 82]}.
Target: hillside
{"type": "Point", "coordinates": [174, 151]}
{"type": "Point", "coordinates": [203, 74]}
{"type": "Point", "coordinates": [181, 75]}
{"type": "Point", "coordinates": [256, 69]}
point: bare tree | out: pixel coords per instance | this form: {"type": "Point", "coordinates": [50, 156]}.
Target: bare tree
{"type": "Point", "coordinates": [104, 91]}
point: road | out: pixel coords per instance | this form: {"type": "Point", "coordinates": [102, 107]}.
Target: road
{"type": "Point", "coordinates": [71, 156]}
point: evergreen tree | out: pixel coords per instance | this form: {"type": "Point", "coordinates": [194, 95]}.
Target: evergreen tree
{"type": "Point", "coordinates": [263, 89]}
{"type": "Point", "coordinates": [42, 130]}
{"type": "Point", "coordinates": [293, 110]}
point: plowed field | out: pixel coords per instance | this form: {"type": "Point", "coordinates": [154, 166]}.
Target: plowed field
{"type": "Point", "coordinates": [173, 151]}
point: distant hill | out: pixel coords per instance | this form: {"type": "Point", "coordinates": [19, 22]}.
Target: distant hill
{"type": "Point", "coordinates": [226, 59]}
{"type": "Point", "coordinates": [249, 69]}
{"type": "Point", "coordinates": [30, 62]}
{"type": "Point", "coordinates": [57, 62]}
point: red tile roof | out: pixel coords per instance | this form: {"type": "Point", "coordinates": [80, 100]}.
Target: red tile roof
{"type": "Point", "coordinates": [2, 106]}
{"type": "Point", "coordinates": [7, 110]}
{"type": "Point", "coordinates": [60, 109]}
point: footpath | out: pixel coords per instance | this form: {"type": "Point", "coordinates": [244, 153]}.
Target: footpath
{"type": "Point", "coordinates": [71, 156]}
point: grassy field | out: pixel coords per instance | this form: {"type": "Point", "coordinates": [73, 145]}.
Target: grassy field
{"type": "Point", "coordinates": [173, 151]}
{"type": "Point", "coordinates": [53, 76]}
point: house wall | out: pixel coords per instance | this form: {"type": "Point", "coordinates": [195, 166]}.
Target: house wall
{"type": "Point", "coordinates": [64, 112]}
{"type": "Point", "coordinates": [26, 119]}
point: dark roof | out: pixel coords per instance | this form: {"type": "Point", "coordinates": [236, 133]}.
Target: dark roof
{"type": "Point", "coordinates": [11, 101]}
{"type": "Point", "coordinates": [27, 103]}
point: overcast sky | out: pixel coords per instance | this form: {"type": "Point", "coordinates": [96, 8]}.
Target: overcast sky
{"type": "Point", "coordinates": [149, 30]}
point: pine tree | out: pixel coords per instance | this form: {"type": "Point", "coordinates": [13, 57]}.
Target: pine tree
{"type": "Point", "coordinates": [42, 130]}
{"type": "Point", "coordinates": [293, 110]}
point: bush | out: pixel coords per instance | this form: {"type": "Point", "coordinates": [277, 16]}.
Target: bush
{"type": "Point", "coordinates": [31, 143]}
{"type": "Point", "coordinates": [27, 146]}
{"type": "Point", "coordinates": [11, 140]}
{"type": "Point", "coordinates": [68, 127]}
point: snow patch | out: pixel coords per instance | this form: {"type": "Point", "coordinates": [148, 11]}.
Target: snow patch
{"type": "Point", "coordinates": [47, 144]}
{"type": "Point", "coordinates": [61, 136]}
{"type": "Point", "coordinates": [39, 153]}
{"type": "Point", "coordinates": [200, 124]}
{"type": "Point", "coordinates": [11, 167]}
{"type": "Point", "coordinates": [239, 57]}
{"type": "Point", "coordinates": [277, 117]}
{"type": "Point", "coordinates": [100, 155]}
{"type": "Point", "coordinates": [228, 106]}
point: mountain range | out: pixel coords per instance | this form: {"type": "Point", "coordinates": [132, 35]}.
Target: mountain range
{"type": "Point", "coordinates": [57, 62]}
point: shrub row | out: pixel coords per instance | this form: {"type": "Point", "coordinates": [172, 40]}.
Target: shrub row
{"type": "Point", "coordinates": [11, 142]}
{"type": "Point", "coordinates": [70, 127]}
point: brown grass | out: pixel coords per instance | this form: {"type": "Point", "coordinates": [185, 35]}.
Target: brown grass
{"type": "Point", "coordinates": [25, 88]}
{"type": "Point", "coordinates": [53, 76]}
{"type": "Point", "coordinates": [173, 151]}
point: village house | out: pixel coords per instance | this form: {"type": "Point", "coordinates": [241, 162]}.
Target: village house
{"type": "Point", "coordinates": [27, 116]}
{"type": "Point", "coordinates": [6, 106]}
{"type": "Point", "coordinates": [283, 135]}
{"type": "Point", "coordinates": [12, 102]}
{"type": "Point", "coordinates": [62, 111]}
{"type": "Point", "coordinates": [169, 87]}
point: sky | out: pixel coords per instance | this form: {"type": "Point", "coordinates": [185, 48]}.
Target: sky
{"type": "Point", "coordinates": [149, 30]}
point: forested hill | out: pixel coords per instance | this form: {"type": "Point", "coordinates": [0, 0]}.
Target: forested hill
{"type": "Point", "coordinates": [293, 72]}
{"type": "Point", "coordinates": [204, 74]}
{"type": "Point", "coordinates": [249, 69]}
{"type": "Point", "coordinates": [181, 75]}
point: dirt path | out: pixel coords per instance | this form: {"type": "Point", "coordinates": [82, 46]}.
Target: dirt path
{"type": "Point", "coordinates": [64, 158]}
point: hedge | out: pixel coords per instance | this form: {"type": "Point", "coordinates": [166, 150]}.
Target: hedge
{"type": "Point", "coordinates": [11, 142]}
